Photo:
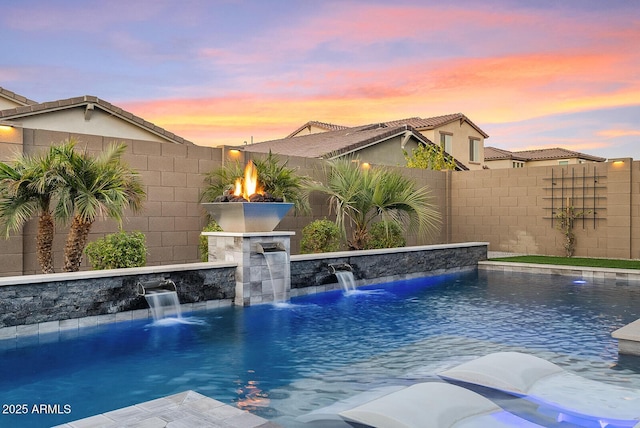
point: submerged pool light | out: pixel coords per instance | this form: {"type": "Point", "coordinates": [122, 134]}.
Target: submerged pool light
{"type": "Point", "coordinates": [579, 281]}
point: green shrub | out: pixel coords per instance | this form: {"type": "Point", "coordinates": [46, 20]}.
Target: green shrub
{"type": "Point", "coordinates": [204, 242]}
{"type": "Point", "coordinates": [385, 234]}
{"type": "Point", "coordinates": [118, 250]}
{"type": "Point", "coordinates": [320, 236]}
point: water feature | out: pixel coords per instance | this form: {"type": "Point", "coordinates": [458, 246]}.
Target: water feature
{"type": "Point", "coordinates": [344, 274]}
{"type": "Point", "coordinates": [282, 363]}
{"type": "Point", "coordinates": [162, 297]}
{"type": "Point", "coordinates": [277, 259]}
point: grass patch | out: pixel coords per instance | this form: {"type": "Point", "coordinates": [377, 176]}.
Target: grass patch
{"type": "Point", "coordinates": [573, 261]}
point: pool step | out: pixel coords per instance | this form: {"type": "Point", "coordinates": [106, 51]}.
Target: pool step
{"type": "Point", "coordinates": [628, 338]}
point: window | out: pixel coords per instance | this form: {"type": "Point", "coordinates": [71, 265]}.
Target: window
{"type": "Point", "coordinates": [446, 141]}
{"type": "Point", "coordinates": [563, 162]}
{"type": "Point", "coordinates": [474, 150]}
{"type": "Point", "coordinates": [517, 164]}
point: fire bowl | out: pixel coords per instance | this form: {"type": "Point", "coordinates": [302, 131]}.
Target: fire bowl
{"type": "Point", "coordinates": [248, 216]}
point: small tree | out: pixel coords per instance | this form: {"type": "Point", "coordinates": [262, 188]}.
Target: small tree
{"type": "Point", "coordinates": [359, 196]}
{"type": "Point", "coordinates": [95, 187]}
{"type": "Point", "coordinates": [566, 218]}
{"type": "Point", "coordinates": [429, 156]}
{"type": "Point", "coordinates": [27, 187]}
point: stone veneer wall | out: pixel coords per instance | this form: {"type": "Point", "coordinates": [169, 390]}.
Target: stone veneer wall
{"type": "Point", "coordinates": [40, 304]}
{"type": "Point", "coordinates": [376, 266]}
{"type": "Point", "coordinates": [44, 298]}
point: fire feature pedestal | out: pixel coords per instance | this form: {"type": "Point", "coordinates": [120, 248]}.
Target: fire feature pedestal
{"type": "Point", "coordinates": [254, 283]}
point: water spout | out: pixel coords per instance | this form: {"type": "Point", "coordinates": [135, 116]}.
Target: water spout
{"type": "Point", "coordinates": [334, 267]}
{"type": "Point", "coordinates": [344, 274]}
{"type": "Point", "coordinates": [277, 260]}
{"type": "Point", "coordinates": [162, 297]}
{"type": "Point", "coordinates": [269, 247]}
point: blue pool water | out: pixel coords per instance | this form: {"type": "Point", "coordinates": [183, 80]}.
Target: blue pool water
{"type": "Point", "coordinates": [281, 362]}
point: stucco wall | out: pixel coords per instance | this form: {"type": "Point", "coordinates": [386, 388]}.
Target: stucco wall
{"type": "Point", "coordinates": [460, 141]}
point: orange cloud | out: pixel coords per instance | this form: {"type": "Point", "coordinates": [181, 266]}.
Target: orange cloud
{"type": "Point", "coordinates": [617, 133]}
{"type": "Point", "coordinates": [572, 66]}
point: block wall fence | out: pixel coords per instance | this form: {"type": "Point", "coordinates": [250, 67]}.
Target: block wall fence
{"type": "Point", "coordinates": [509, 208]}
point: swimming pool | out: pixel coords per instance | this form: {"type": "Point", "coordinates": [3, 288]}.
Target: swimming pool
{"type": "Point", "coordinates": [281, 362]}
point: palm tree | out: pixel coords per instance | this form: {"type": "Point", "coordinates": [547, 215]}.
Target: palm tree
{"type": "Point", "coordinates": [359, 196]}
{"type": "Point", "coordinates": [95, 187]}
{"type": "Point", "coordinates": [26, 189]}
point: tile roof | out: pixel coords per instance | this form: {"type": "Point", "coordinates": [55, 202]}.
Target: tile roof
{"type": "Point", "coordinates": [435, 122]}
{"type": "Point", "coordinates": [328, 144]}
{"type": "Point", "coordinates": [316, 124]}
{"type": "Point", "coordinates": [557, 153]}
{"type": "Point", "coordinates": [5, 93]}
{"type": "Point", "coordinates": [418, 123]}
{"type": "Point", "coordinates": [492, 153]}
{"type": "Point", "coordinates": [51, 106]}
{"type": "Point", "coordinates": [332, 144]}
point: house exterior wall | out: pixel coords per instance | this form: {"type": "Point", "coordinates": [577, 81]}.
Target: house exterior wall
{"type": "Point", "coordinates": [6, 103]}
{"type": "Point", "coordinates": [388, 152]}
{"type": "Point", "coordinates": [461, 133]}
{"type": "Point", "coordinates": [554, 162]}
{"type": "Point", "coordinates": [507, 163]}
{"type": "Point", "coordinates": [500, 164]}
{"type": "Point", "coordinates": [99, 123]}
{"type": "Point", "coordinates": [308, 130]}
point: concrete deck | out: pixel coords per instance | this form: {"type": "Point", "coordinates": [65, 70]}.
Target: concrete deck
{"type": "Point", "coordinates": [187, 409]}
{"type": "Point", "coordinates": [628, 338]}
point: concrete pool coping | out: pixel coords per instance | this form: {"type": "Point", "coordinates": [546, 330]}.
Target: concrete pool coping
{"type": "Point", "coordinates": [183, 410]}
{"type": "Point", "coordinates": [583, 272]}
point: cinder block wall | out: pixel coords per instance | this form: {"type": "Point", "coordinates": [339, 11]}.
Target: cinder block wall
{"type": "Point", "coordinates": [511, 209]}
{"type": "Point", "coordinates": [12, 249]}
{"type": "Point", "coordinates": [172, 217]}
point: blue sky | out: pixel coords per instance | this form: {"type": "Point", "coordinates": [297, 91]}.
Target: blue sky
{"type": "Point", "coordinates": [532, 74]}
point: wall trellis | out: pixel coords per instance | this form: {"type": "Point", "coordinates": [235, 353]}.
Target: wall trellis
{"type": "Point", "coordinates": [583, 190]}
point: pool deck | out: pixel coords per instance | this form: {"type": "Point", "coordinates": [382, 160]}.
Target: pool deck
{"type": "Point", "coordinates": [183, 410]}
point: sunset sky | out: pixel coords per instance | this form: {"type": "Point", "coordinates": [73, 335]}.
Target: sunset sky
{"type": "Point", "coordinates": [531, 74]}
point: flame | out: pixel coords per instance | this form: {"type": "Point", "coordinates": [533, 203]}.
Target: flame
{"type": "Point", "coordinates": [249, 185]}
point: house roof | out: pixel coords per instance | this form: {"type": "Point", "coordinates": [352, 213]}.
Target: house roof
{"type": "Point", "coordinates": [89, 102]}
{"type": "Point", "coordinates": [419, 123]}
{"type": "Point", "coordinates": [492, 153]}
{"type": "Point", "coordinates": [422, 124]}
{"type": "Point", "coordinates": [341, 142]}
{"type": "Point", "coordinates": [316, 124]}
{"type": "Point", "coordinates": [18, 99]}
